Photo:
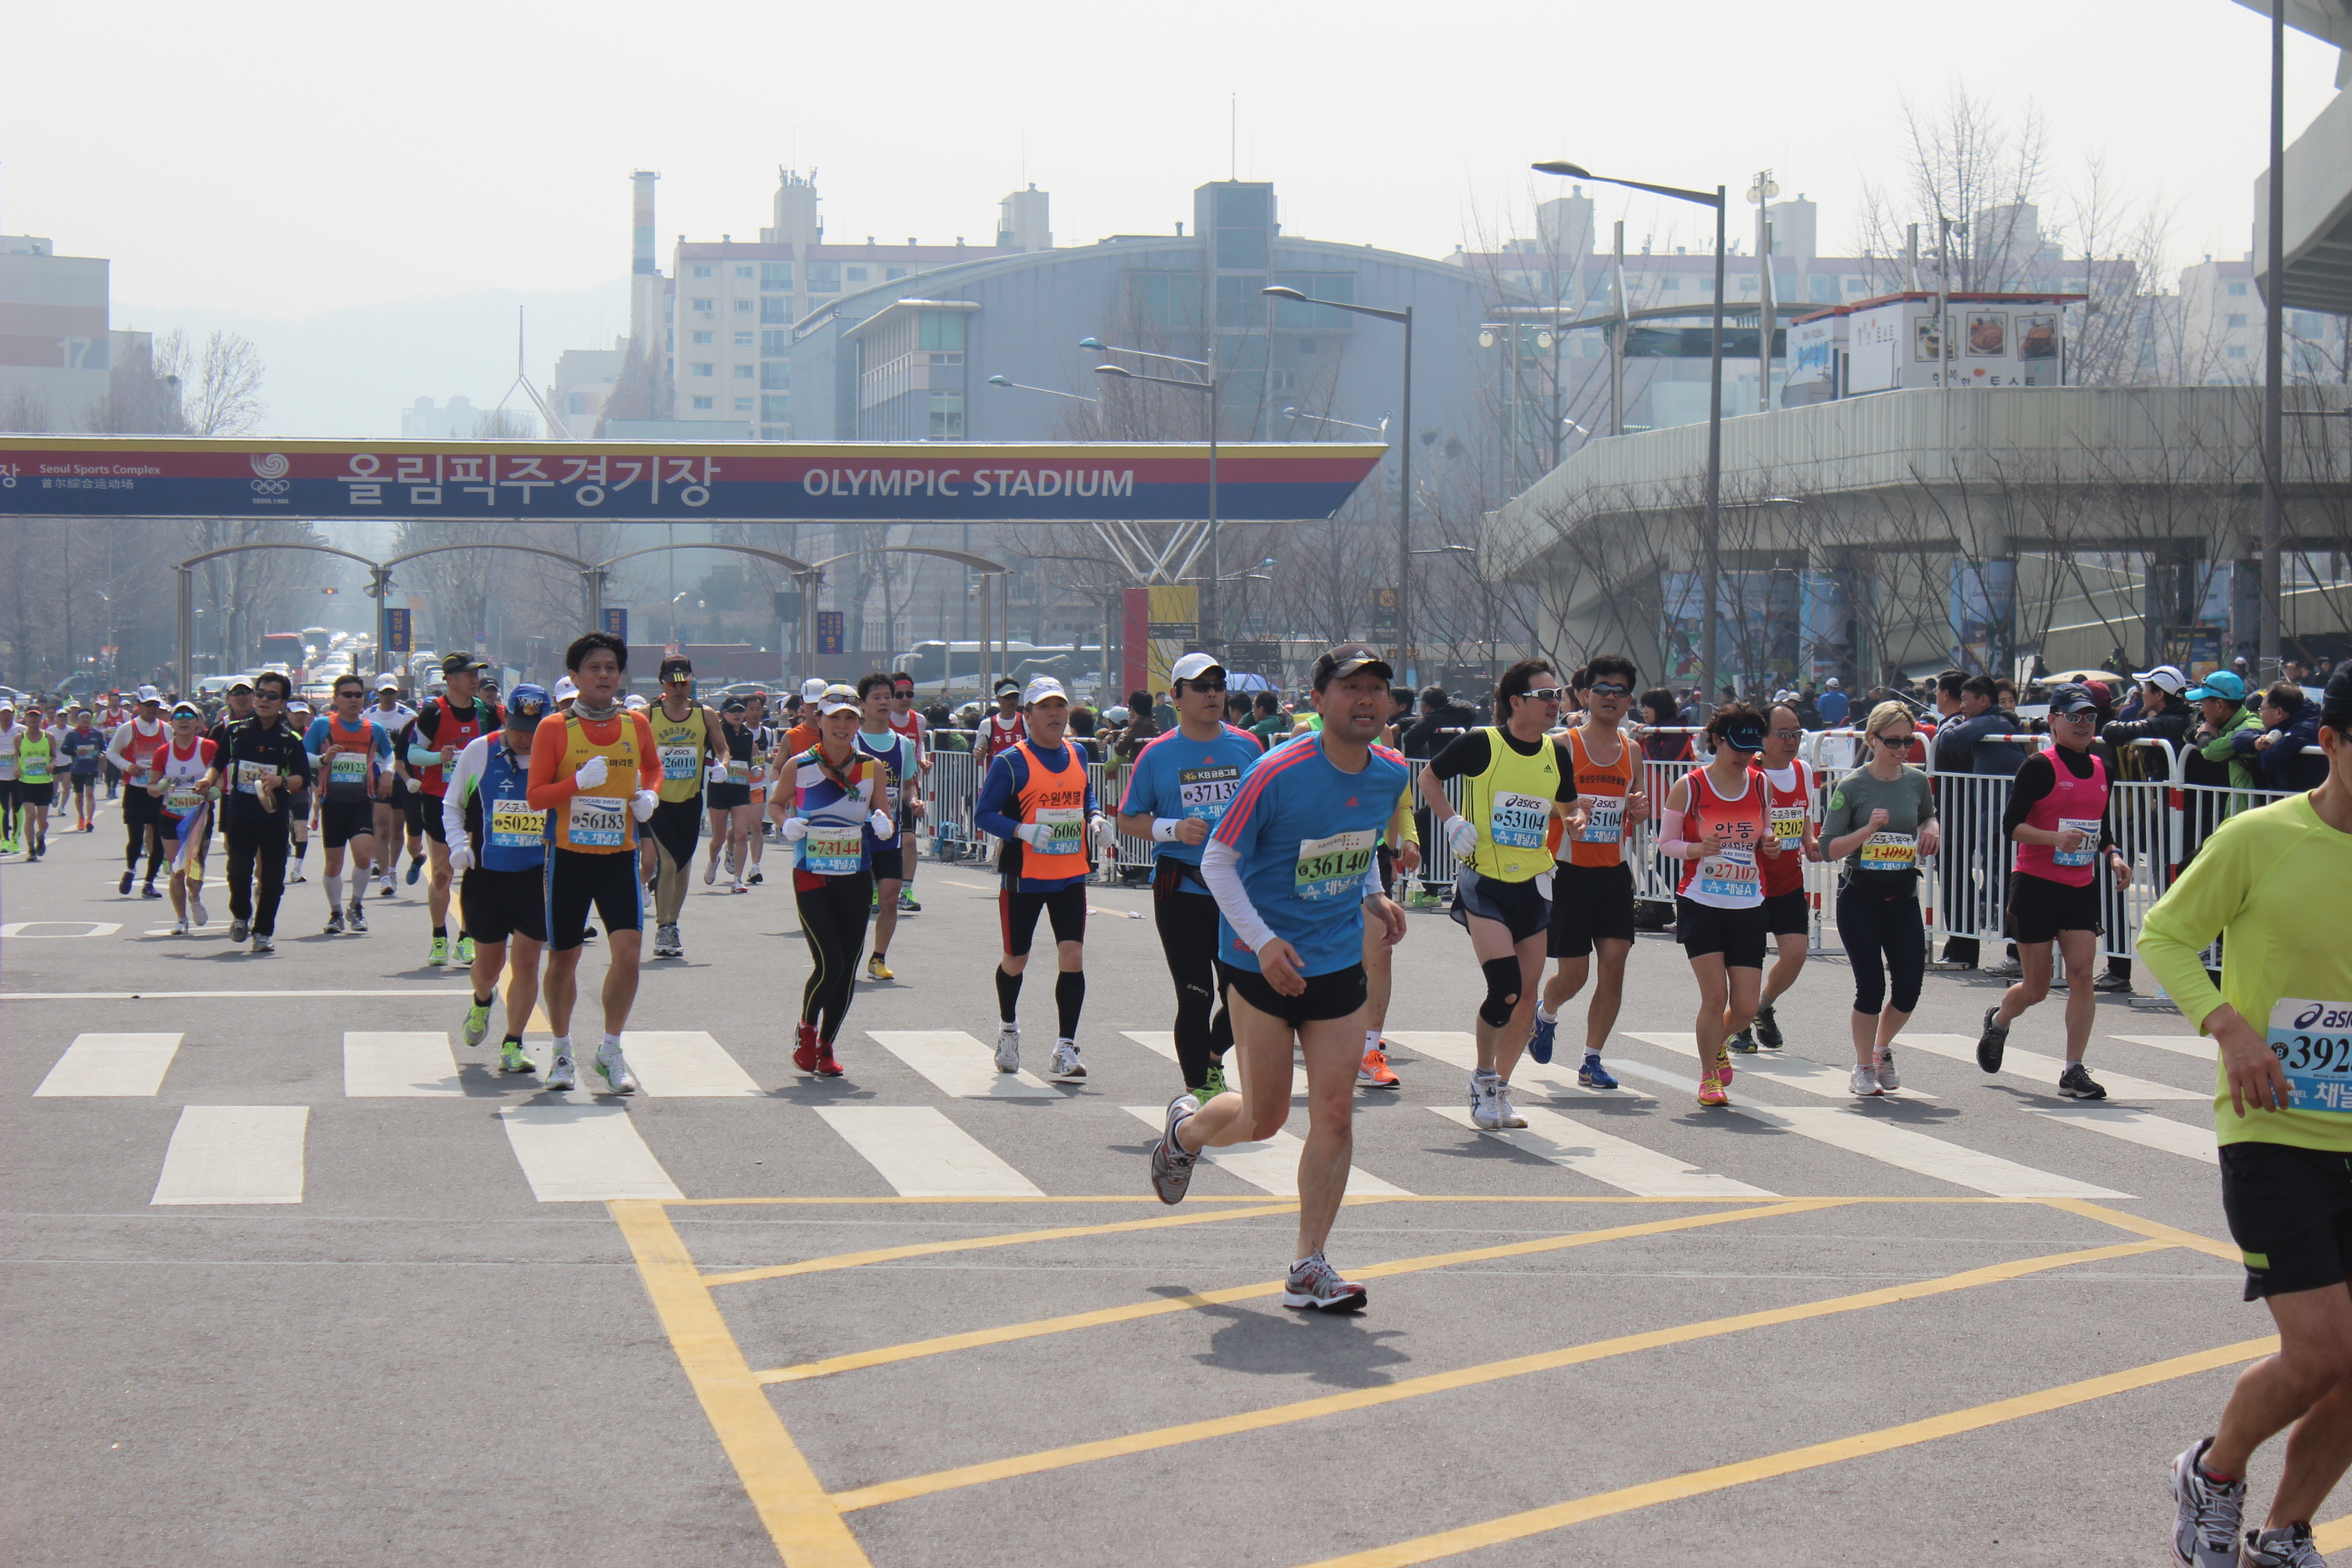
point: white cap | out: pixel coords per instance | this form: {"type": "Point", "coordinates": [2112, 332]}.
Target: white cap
{"type": "Point", "coordinates": [1832, 683]}
{"type": "Point", "coordinates": [387, 681]}
{"type": "Point", "coordinates": [1193, 665]}
{"type": "Point", "coordinates": [149, 694]}
{"type": "Point", "coordinates": [814, 689]}
{"type": "Point", "coordinates": [837, 698]}
{"type": "Point", "coordinates": [2165, 677]}
{"type": "Point", "coordinates": [1045, 686]}
{"type": "Point", "coordinates": [637, 703]}
{"type": "Point", "coordinates": [566, 687]}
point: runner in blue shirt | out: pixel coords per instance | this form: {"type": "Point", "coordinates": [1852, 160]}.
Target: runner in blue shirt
{"type": "Point", "coordinates": [1292, 866]}
{"type": "Point", "coordinates": [1176, 790]}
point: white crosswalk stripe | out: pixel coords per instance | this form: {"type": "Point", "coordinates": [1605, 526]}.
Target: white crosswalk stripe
{"type": "Point", "coordinates": [235, 1154]}
{"type": "Point", "coordinates": [110, 1065]}
{"type": "Point", "coordinates": [584, 1153]}
{"type": "Point", "coordinates": [960, 1066]}
{"type": "Point", "coordinates": [399, 1064]}
{"type": "Point", "coordinates": [685, 1064]}
{"type": "Point", "coordinates": [1459, 1048]}
{"type": "Point", "coordinates": [923, 1154]}
{"type": "Point", "coordinates": [1271, 1166]}
{"type": "Point", "coordinates": [2144, 1127]}
{"type": "Point", "coordinates": [2032, 1064]}
{"type": "Point", "coordinates": [1612, 1161]}
{"type": "Point", "coordinates": [1798, 1072]}
{"type": "Point", "coordinates": [2201, 1046]}
{"type": "Point", "coordinates": [1858, 1131]}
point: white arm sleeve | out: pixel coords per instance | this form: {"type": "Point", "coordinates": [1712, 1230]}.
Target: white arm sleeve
{"type": "Point", "coordinates": [1372, 888]}
{"type": "Point", "coordinates": [1220, 867]}
{"type": "Point", "coordinates": [115, 751]}
{"type": "Point", "coordinates": [464, 779]}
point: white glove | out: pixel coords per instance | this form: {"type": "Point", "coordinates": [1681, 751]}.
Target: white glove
{"type": "Point", "coordinates": [461, 856]}
{"type": "Point", "coordinates": [884, 825]}
{"type": "Point", "coordinates": [1106, 835]}
{"type": "Point", "coordinates": [1032, 833]}
{"type": "Point", "coordinates": [642, 803]}
{"type": "Point", "coordinates": [592, 773]}
{"type": "Point", "coordinates": [1461, 836]}
{"type": "Point", "coordinates": [794, 829]}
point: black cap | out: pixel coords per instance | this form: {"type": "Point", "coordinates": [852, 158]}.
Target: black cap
{"type": "Point", "coordinates": [1742, 735]}
{"type": "Point", "coordinates": [2335, 704]}
{"type": "Point", "coordinates": [2072, 698]}
{"type": "Point", "coordinates": [1349, 658]}
{"type": "Point", "coordinates": [676, 664]}
{"type": "Point", "coordinates": [734, 705]}
{"type": "Point", "coordinates": [463, 663]}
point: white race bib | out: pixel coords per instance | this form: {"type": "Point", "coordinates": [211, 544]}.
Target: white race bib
{"type": "Point", "coordinates": [832, 851]}
{"type": "Point", "coordinates": [1330, 868]}
{"type": "Point", "coordinates": [1606, 823]}
{"type": "Point", "coordinates": [1788, 823]}
{"type": "Point", "coordinates": [1518, 821]}
{"type": "Point", "coordinates": [2313, 1040]}
{"type": "Point", "coordinates": [2089, 827]}
{"type": "Point", "coordinates": [680, 762]}
{"type": "Point", "coordinates": [596, 821]}
{"type": "Point", "coordinates": [182, 799]}
{"type": "Point", "coordinates": [247, 772]}
{"type": "Point", "coordinates": [1729, 873]}
{"type": "Point", "coordinates": [1066, 829]}
{"type": "Point", "coordinates": [1204, 793]}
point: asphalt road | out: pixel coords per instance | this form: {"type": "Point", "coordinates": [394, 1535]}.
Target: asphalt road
{"type": "Point", "coordinates": [1946, 1328]}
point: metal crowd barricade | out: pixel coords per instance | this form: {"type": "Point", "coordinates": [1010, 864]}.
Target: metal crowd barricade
{"type": "Point", "coordinates": [953, 786]}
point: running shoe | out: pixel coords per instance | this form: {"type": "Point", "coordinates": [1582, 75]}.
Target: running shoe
{"type": "Point", "coordinates": [2288, 1546]}
{"type": "Point", "coordinates": [477, 1026]}
{"type": "Point", "coordinates": [1743, 1042]}
{"type": "Point", "coordinates": [755, 877]}
{"type": "Point", "coordinates": [614, 1068]}
{"type": "Point", "coordinates": [334, 922]}
{"type": "Point", "coordinates": [356, 917]}
{"type": "Point", "coordinates": [263, 944]}
{"type": "Point", "coordinates": [738, 886]}
{"type": "Point", "coordinates": [121, 887]}
{"type": "Point", "coordinates": [1171, 1163]}
{"type": "Point", "coordinates": [511, 1058]}
{"type": "Point", "coordinates": [465, 950]}
{"type": "Point", "coordinates": [416, 865]}
{"type": "Point", "coordinates": [1315, 1286]}
{"type": "Point", "coordinates": [665, 941]}
{"type": "Point", "coordinates": [1886, 1079]}
{"type": "Point", "coordinates": [907, 904]}
{"type": "Point", "coordinates": [1506, 1115]}
{"type": "Point", "coordinates": [1863, 1081]}
{"type": "Point", "coordinates": [1723, 1067]}
{"type": "Point", "coordinates": [734, 858]}
{"type": "Point", "coordinates": [180, 926]}
{"type": "Point", "coordinates": [872, 899]}
{"type": "Point", "coordinates": [1710, 1090]}
{"type": "Point", "coordinates": [2076, 1083]}
{"type": "Point", "coordinates": [804, 1046]}
{"type": "Point", "coordinates": [1215, 1084]}
{"type": "Point", "coordinates": [1992, 1042]}
{"type": "Point", "coordinates": [710, 871]}
{"type": "Point", "coordinates": [2007, 969]}
{"type": "Point", "coordinates": [1592, 1075]}
{"type": "Point", "coordinates": [1484, 1116]}
{"type": "Point", "coordinates": [826, 1065]}
{"type": "Point", "coordinates": [1066, 1060]}
{"type": "Point", "coordinates": [388, 885]}
{"type": "Point", "coordinates": [878, 970]}
{"type": "Point", "coordinates": [150, 890]}
{"type": "Point", "coordinates": [1539, 1041]}
{"type": "Point", "coordinates": [236, 929]}
{"type": "Point", "coordinates": [1374, 1072]}
{"type": "Point", "coordinates": [2207, 1513]}
{"type": "Point", "coordinates": [2113, 984]}
{"type": "Point", "coordinates": [1767, 1027]}
{"type": "Point", "coordinates": [562, 1075]}
{"type": "Point", "coordinates": [1008, 1048]}
{"type": "Point", "coordinates": [437, 955]}
{"type": "Point", "coordinates": [295, 876]}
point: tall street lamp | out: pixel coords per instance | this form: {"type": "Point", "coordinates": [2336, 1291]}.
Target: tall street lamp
{"type": "Point", "coordinates": [1404, 477]}
{"type": "Point", "coordinates": [1050, 391]}
{"type": "Point", "coordinates": [1379, 430]}
{"type": "Point", "coordinates": [1711, 542]}
{"type": "Point", "coordinates": [1209, 389]}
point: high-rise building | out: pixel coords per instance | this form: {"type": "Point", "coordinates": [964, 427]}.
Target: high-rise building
{"type": "Point", "coordinates": [62, 365]}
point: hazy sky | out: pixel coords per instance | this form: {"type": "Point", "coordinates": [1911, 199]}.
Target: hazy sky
{"type": "Point", "coordinates": [367, 190]}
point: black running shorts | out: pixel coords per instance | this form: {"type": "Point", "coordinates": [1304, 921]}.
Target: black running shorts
{"type": "Point", "coordinates": [1590, 904]}
{"type": "Point", "coordinates": [2290, 1211]}
{"type": "Point", "coordinates": [1338, 994]}
{"type": "Point", "coordinates": [428, 808]}
{"type": "Point", "coordinates": [1017, 914]}
{"type": "Point", "coordinates": [577, 878]}
{"type": "Point", "coordinates": [497, 904]}
{"type": "Point", "coordinates": [1518, 907]}
{"type": "Point", "coordinates": [1789, 914]}
{"type": "Point", "coordinates": [890, 864]}
{"type": "Point", "coordinates": [2039, 908]}
{"type": "Point", "coordinates": [341, 820]}
{"type": "Point", "coordinates": [1739, 934]}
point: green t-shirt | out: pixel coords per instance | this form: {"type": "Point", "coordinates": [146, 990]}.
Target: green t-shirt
{"type": "Point", "coordinates": [1888, 863]}
{"type": "Point", "coordinates": [1272, 732]}
{"type": "Point", "coordinates": [2266, 879]}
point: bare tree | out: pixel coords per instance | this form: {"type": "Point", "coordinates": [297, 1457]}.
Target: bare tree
{"type": "Point", "coordinates": [220, 381]}
{"type": "Point", "coordinates": [1963, 166]}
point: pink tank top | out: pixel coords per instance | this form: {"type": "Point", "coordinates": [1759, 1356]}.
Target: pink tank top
{"type": "Point", "coordinates": [2075, 803]}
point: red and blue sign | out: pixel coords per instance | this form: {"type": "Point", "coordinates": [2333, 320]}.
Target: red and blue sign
{"type": "Point", "coordinates": [566, 481]}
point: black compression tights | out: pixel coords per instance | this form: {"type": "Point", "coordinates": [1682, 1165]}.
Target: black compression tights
{"type": "Point", "coordinates": [833, 919]}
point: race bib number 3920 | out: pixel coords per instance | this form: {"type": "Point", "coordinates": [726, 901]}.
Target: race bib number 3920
{"type": "Point", "coordinates": [2313, 1041]}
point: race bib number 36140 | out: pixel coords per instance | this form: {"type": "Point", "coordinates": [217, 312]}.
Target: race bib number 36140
{"type": "Point", "coordinates": [1330, 867]}
{"type": "Point", "coordinates": [2313, 1041]}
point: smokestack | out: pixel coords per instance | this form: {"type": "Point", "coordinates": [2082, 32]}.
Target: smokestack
{"type": "Point", "coordinates": [645, 277]}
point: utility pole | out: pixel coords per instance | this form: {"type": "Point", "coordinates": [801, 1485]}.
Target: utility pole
{"type": "Point", "coordinates": [2274, 368]}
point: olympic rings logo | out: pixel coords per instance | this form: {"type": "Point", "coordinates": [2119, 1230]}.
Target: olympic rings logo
{"type": "Point", "coordinates": [272, 487]}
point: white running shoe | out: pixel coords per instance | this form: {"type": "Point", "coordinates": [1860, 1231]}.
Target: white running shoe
{"type": "Point", "coordinates": [740, 886]}
{"type": "Point", "coordinates": [1886, 1079]}
{"type": "Point", "coordinates": [1066, 1060]}
{"type": "Point", "coordinates": [561, 1075]}
{"type": "Point", "coordinates": [1484, 1116]}
{"type": "Point", "coordinates": [180, 926]}
{"type": "Point", "coordinates": [196, 915]}
{"type": "Point", "coordinates": [2206, 1514]}
{"type": "Point", "coordinates": [1505, 1115]}
{"type": "Point", "coordinates": [1863, 1081]}
{"type": "Point", "coordinates": [1008, 1048]}
{"type": "Point", "coordinates": [614, 1068]}
{"type": "Point", "coordinates": [1315, 1286]}
{"type": "Point", "coordinates": [711, 872]}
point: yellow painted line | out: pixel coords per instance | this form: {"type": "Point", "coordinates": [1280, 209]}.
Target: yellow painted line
{"type": "Point", "coordinates": [1106, 1315]}
{"type": "Point", "coordinates": [1697, 1483]}
{"type": "Point", "coordinates": [1353, 1200]}
{"type": "Point", "coordinates": [930, 1248]}
{"type": "Point", "coordinates": [2154, 1230]}
{"type": "Point", "coordinates": [2332, 1536]}
{"type": "Point", "coordinates": [809, 1533]}
{"type": "Point", "coordinates": [538, 1023]}
{"type": "Point", "coordinates": [1465, 1377]}
{"type": "Point", "coordinates": [975, 887]}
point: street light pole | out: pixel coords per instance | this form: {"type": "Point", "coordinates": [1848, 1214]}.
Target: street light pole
{"type": "Point", "coordinates": [1711, 540]}
{"type": "Point", "coordinates": [1208, 622]}
{"type": "Point", "coordinates": [2273, 366]}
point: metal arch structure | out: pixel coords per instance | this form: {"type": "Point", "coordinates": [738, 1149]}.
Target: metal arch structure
{"type": "Point", "coordinates": [812, 573]}
{"type": "Point", "coordinates": [186, 573]}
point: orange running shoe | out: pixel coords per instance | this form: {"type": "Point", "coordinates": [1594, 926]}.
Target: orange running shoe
{"type": "Point", "coordinates": [1374, 1073]}
{"type": "Point", "coordinates": [1710, 1090]}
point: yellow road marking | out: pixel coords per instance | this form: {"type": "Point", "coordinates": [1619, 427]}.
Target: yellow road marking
{"type": "Point", "coordinates": [2154, 1230]}
{"type": "Point", "coordinates": [1130, 1313]}
{"type": "Point", "coordinates": [2332, 1536]}
{"type": "Point", "coordinates": [1353, 1200]}
{"type": "Point", "coordinates": [1537, 1522]}
{"type": "Point", "coordinates": [1467, 1377]}
{"type": "Point", "coordinates": [929, 1248]}
{"type": "Point", "coordinates": [808, 1531]}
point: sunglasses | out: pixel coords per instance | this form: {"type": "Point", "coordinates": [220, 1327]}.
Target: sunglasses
{"type": "Point", "coordinates": [1891, 740]}
{"type": "Point", "coordinates": [1204, 686]}
{"type": "Point", "coordinates": [1546, 693]}
{"type": "Point", "coordinates": [268, 697]}
{"type": "Point", "coordinates": [1610, 688]}
{"type": "Point", "coordinates": [903, 691]}
{"type": "Point", "coordinates": [1797, 730]}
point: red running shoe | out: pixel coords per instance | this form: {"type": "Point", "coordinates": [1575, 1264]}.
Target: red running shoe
{"type": "Point", "coordinates": [826, 1065]}
{"type": "Point", "coordinates": [808, 1053]}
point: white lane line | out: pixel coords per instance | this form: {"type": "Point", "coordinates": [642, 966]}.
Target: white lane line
{"type": "Point", "coordinates": [22, 929]}
{"type": "Point", "coordinates": [235, 1154]}
{"type": "Point", "coordinates": [2144, 1127]}
{"type": "Point", "coordinates": [1271, 1166]}
{"type": "Point", "coordinates": [584, 1153]}
{"type": "Point", "coordinates": [2032, 1064]}
{"type": "Point", "coordinates": [111, 1064]}
{"type": "Point", "coordinates": [1798, 1072]}
{"type": "Point", "coordinates": [1858, 1132]}
{"type": "Point", "coordinates": [960, 1065]}
{"type": "Point", "coordinates": [1459, 1049]}
{"type": "Point", "coordinates": [398, 1064]}
{"type": "Point", "coordinates": [1158, 1042]}
{"type": "Point", "coordinates": [1613, 1161]}
{"type": "Point", "coordinates": [186, 996]}
{"type": "Point", "coordinates": [684, 1064]}
{"type": "Point", "coordinates": [2198, 1046]}
{"type": "Point", "coordinates": [923, 1154]}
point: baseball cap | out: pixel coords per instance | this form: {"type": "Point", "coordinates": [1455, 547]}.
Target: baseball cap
{"type": "Point", "coordinates": [2165, 677]}
{"type": "Point", "coordinates": [1346, 659]}
{"type": "Point", "coordinates": [186, 709]}
{"type": "Point", "coordinates": [837, 698]}
{"type": "Point", "coordinates": [461, 663]}
{"type": "Point", "coordinates": [566, 687]}
{"type": "Point", "coordinates": [1742, 736]}
{"type": "Point", "coordinates": [2221, 684]}
{"type": "Point", "coordinates": [526, 705]}
{"type": "Point", "coordinates": [734, 705]}
{"type": "Point", "coordinates": [676, 664]}
{"type": "Point", "coordinates": [2072, 698]}
{"type": "Point", "coordinates": [1193, 666]}
{"type": "Point", "coordinates": [2100, 691]}
{"type": "Point", "coordinates": [241, 684]}
{"type": "Point", "coordinates": [637, 702]}
{"type": "Point", "coordinates": [149, 694]}
{"type": "Point", "coordinates": [814, 689]}
{"type": "Point", "coordinates": [1830, 684]}
{"type": "Point", "coordinates": [1045, 686]}
{"type": "Point", "coordinates": [1007, 686]}
{"type": "Point", "coordinates": [387, 681]}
